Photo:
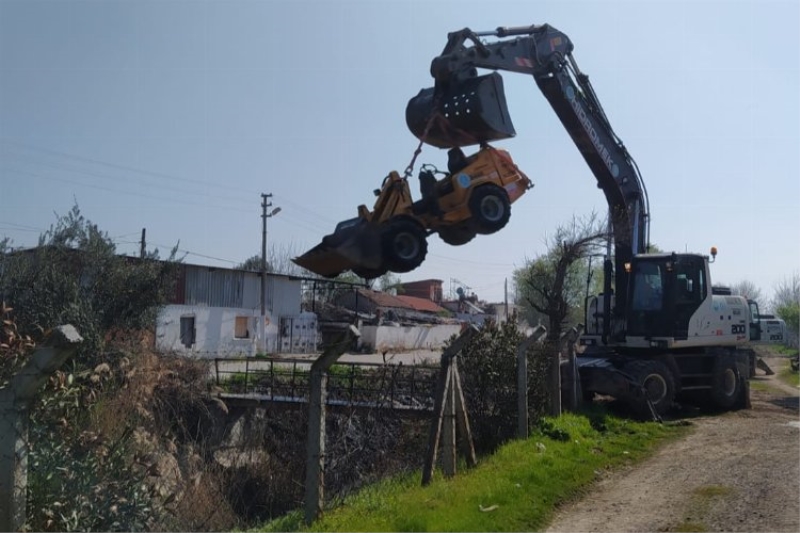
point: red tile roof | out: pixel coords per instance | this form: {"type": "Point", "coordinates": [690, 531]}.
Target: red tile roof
{"type": "Point", "coordinates": [382, 299]}
{"type": "Point", "coordinates": [420, 304]}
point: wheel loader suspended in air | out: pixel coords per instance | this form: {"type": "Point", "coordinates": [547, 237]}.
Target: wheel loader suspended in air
{"type": "Point", "coordinates": [473, 197]}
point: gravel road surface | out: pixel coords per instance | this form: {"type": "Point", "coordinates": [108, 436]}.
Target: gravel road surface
{"type": "Point", "coordinates": [738, 471]}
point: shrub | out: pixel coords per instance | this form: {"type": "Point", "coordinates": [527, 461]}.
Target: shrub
{"type": "Point", "coordinates": [488, 369]}
{"type": "Point", "coordinates": [83, 473]}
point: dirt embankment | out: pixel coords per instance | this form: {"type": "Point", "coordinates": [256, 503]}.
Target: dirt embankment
{"type": "Point", "coordinates": [739, 471]}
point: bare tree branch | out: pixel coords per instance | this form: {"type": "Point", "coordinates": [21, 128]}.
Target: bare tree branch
{"type": "Point", "coordinates": [550, 282]}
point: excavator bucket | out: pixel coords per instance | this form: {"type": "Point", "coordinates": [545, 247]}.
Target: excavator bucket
{"type": "Point", "coordinates": [466, 112]}
{"type": "Point", "coordinates": [354, 245]}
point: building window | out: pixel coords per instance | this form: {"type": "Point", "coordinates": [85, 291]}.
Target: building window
{"type": "Point", "coordinates": [187, 331]}
{"type": "Point", "coordinates": [240, 330]}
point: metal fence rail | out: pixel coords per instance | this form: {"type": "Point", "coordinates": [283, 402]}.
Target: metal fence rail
{"type": "Point", "coordinates": [408, 387]}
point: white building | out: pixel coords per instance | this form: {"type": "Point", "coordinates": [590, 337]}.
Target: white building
{"type": "Point", "coordinates": [216, 312]}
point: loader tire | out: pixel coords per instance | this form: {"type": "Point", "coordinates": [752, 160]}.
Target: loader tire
{"type": "Point", "coordinates": [457, 235]}
{"type": "Point", "coordinates": [657, 382]}
{"type": "Point", "coordinates": [726, 387]}
{"type": "Point", "coordinates": [490, 208]}
{"type": "Point", "coordinates": [405, 246]}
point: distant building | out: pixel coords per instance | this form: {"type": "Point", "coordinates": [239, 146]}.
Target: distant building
{"type": "Point", "coordinates": [396, 323]}
{"type": "Point", "coordinates": [385, 306]}
{"type": "Point", "coordinates": [428, 289]}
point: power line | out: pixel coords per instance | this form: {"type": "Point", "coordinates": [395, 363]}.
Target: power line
{"type": "Point", "coordinates": [197, 254]}
{"type": "Point", "coordinates": [55, 153]}
{"type": "Point", "coordinates": [295, 222]}
{"type": "Point", "coordinates": [460, 260]}
{"type": "Point", "coordinates": [115, 165]}
{"type": "Point", "coordinates": [21, 226]}
{"type": "Point", "coordinates": [116, 191]}
{"type": "Point", "coordinates": [20, 229]}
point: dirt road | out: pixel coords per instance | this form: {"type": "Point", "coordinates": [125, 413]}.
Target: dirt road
{"type": "Point", "coordinates": [739, 471]}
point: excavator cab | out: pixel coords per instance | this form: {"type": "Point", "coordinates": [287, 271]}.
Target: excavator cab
{"type": "Point", "coordinates": [461, 113]}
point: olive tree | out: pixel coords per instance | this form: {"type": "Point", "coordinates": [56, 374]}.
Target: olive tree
{"type": "Point", "coordinates": [74, 276]}
{"type": "Point", "coordinates": [554, 284]}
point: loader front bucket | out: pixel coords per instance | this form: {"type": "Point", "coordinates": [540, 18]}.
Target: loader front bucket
{"type": "Point", "coordinates": [354, 245]}
{"type": "Point", "coordinates": [467, 112]}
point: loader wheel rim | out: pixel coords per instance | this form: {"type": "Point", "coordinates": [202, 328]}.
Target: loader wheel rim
{"type": "Point", "coordinates": [492, 208]}
{"type": "Point", "coordinates": [655, 387]}
{"type": "Point", "coordinates": [406, 246]}
{"type": "Point", "coordinates": [729, 382]}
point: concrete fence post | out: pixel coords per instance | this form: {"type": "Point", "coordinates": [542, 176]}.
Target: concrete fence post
{"type": "Point", "coordinates": [15, 400]}
{"type": "Point", "coordinates": [315, 449]}
{"type": "Point", "coordinates": [574, 378]}
{"type": "Point", "coordinates": [522, 379]}
{"type": "Point", "coordinates": [555, 375]}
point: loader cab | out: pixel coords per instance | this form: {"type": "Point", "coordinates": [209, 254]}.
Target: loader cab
{"type": "Point", "coordinates": [665, 291]}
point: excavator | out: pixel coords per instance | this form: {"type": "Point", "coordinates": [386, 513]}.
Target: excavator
{"type": "Point", "coordinates": [659, 331]}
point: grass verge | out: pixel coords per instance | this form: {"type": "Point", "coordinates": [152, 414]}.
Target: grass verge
{"type": "Point", "coordinates": [789, 376]}
{"type": "Point", "coordinates": [516, 489]}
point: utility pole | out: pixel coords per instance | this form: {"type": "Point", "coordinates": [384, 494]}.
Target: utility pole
{"type": "Point", "coordinates": [265, 203]}
{"type": "Point", "coordinates": [142, 246]}
{"type": "Point", "coordinates": [505, 295]}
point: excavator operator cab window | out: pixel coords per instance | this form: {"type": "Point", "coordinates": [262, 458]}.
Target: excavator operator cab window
{"type": "Point", "coordinates": [685, 288]}
{"type": "Point", "coordinates": [689, 276]}
{"type": "Point", "coordinates": [755, 324]}
{"type": "Point", "coordinates": [648, 286]}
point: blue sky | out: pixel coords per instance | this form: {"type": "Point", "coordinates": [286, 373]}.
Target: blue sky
{"type": "Point", "coordinates": [176, 115]}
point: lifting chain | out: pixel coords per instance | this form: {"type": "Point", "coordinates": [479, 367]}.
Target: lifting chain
{"type": "Point", "coordinates": [410, 168]}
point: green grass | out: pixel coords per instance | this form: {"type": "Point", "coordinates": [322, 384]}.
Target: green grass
{"type": "Point", "coordinates": [689, 527]}
{"type": "Point", "coordinates": [516, 489]}
{"type": "Point", "coordinates": [789, 376]}
{"type": "Point", "coordinates": [234, 381]}
{"type": "Point", "coordinates": [786, 374]}
{"type": "Point", "coordinates": [709, 492]}
{"type": "Point", "coordinates": [784, 350]}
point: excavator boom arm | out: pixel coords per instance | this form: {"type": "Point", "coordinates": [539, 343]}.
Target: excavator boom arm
{"type": "Point", "coordinates": [546, 54]}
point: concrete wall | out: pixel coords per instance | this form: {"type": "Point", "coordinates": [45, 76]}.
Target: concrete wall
{"type": "Point", "coordinates": [408, 337]}
{"type": "Point", "coordinates": [283, 296]}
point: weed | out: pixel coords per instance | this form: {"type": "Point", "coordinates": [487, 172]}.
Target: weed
{"type": "Point", "coordinates": [790, 377]}
{"type": "Point", "coordinates": [689, 527]}
{"type": "Point", "coordinates": [702, 498]}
